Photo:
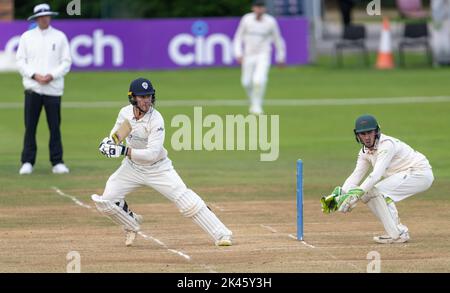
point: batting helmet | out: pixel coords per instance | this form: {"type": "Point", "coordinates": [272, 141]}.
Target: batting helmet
{"type": "Point", "coordinates": [365, 123]}
{"type": "Point", "coordinates": [141, 87]}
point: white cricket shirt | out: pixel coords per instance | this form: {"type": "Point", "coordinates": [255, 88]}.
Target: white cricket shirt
{"type": "Point", "coordinates": [147, 135]}
{"type": "Point", "coordinates": [44, 52]}
{"type": "Point", "coordinates": [257, 36]}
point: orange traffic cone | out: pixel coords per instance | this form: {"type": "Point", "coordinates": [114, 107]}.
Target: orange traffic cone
{"type": "Point", "coordinates": [385, 58]}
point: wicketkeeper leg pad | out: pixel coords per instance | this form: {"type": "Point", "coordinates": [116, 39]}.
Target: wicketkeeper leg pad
{"type": "Point", "coordinates": [192, 206]}
{"type": "Point", "coordinates": [394, 212]}
{"type": "Point", "coordinates": [379, 207]}
{"type": "Point", "coordinates": [118, 212]}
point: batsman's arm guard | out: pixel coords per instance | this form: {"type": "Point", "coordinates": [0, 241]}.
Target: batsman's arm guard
{"type": "Point", "coordinates": [330, 202]}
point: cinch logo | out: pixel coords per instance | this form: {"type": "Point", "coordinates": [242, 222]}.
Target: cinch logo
{"type": "Point", "coordinates": [198, 49]}
{"type": "Point", "coordinates": [95, 43]}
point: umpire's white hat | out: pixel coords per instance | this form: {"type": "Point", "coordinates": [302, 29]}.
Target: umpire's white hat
{"type": "Point", "coordinates": [41, 10]}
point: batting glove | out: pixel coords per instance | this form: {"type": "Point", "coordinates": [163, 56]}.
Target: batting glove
{"type": "Point", "coordinates": [349, 200]}
{"type": "Point", "coordinates": [329, 202]}
{"type": "Point", "coordinates": [107, 140]}
{"type": "Point", "coordinates": [111, 150]}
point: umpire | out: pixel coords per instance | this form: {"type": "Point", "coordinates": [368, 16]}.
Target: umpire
{"type": "Point", "coordinates": [43, 58]}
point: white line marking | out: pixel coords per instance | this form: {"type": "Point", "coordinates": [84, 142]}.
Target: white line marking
{"type": "Point", "coordinates": [326, 252]}
{"type": "Point", "coordinates": [269, 228]}
{"type": "Point", "coordinates": [302, 241]}
{"type": "Point", "coordinates": [244, 102]}
{"type": "Point", "coordinates": [179, 253]}
{"type": "Point", "coordinates": [78, 202]}
{"type": "Point", "coordinates": [358, 101]}
{"type": "Point", "coordinates": [74, 199]}
{"type": "Point", "coordinates": [217, 207]}
{"type": "Point", "coordinates": [334, 223]}
{"type": "Point", "coordinates": [159, 242]}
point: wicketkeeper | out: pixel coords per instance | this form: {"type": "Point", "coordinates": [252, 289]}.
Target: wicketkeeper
{"type": "Point", "coordinates": [146, 163]}
{"type": "Point", "coordinates": [398, 172]}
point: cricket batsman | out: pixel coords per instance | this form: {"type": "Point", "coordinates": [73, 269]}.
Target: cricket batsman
{"type": "Point", "coordinates": [398, 173]}
{"type": "Point", "coordinates": [146, 163]}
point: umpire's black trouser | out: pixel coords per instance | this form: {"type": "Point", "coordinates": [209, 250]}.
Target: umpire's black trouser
{"type": "Point", "coordinates": [33, 107]}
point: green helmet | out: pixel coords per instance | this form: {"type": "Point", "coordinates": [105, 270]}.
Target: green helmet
{"type": "Point", "coordinates": [366, 123]}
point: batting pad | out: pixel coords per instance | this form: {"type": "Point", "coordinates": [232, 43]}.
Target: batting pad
{"type": "Point", "coordinates": [393, 210]}
{"type": "Point", "coordinates": [115, 213]}
{"type": "Point", "coordinates": [191, 205]}
{"type": "Point", "coordinates": [379, 207]}
{"type": "Point", "coordinates": [209, 222]}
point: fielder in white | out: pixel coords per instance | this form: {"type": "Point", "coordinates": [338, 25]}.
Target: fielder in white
{"type": "Point", "coordinates": [256, 33]}
{"type": "Point", "coordinates": [398, 173]}
{"type": "Point", "coordinates": [146, 164]}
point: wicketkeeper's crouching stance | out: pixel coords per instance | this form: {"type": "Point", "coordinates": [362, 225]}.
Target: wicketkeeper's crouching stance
{"type": "Point", "coordinates": [398, 172]}
{"type": "Point", "coordinates": [146, 164]}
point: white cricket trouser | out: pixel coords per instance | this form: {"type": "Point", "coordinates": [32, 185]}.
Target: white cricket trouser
{"type": "Point", "coordinates": [398, 187]}
{"type": "Point", "coordinates": [255, 70]}
{"type": "Point", "coordinates": [163, 178]}
{"type": "Point", "coordinates": [405, 184]}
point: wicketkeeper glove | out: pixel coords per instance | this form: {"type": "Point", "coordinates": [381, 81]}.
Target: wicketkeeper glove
{"type": "Point", "coordinates": [329, 202]}
{"type": "Point", "coordinates": [110, 150]}
{"type": "Point", "coordinates": [348, 201]}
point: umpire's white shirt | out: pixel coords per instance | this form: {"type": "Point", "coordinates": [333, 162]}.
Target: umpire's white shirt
{"type": "Point", "coordinates": [389, 157]}
{"type": "Point", "coordinates": [146, 138]}
{"type": "Point", "coordinates": [44, 52]}
{"type": "Point", "coordinates": [257, 36]}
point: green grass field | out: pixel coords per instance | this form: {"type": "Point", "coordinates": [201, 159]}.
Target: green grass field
{"type": "Point", "coordinates": [321, 135]}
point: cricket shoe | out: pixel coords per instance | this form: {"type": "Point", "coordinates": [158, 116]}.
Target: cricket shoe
{"type": "Point", "coordinates": [256, 110]}
{"type": "Point", "coordinates": [131, 235]}
{"type": "Point", "coordinates": [386, 239]}
{"type": "Point", "coordinates": [60, 169]}
{"type": "Point", "coordinates": [224, 241]}
{"type": "Point", "coordinates": [26, 168]}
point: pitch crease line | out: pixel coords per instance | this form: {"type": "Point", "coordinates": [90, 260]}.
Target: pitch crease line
{"type": "Point", "coordinates": [269, 228]}
{"type": "Point", "coordinates": [146, 237]}
{"type": "Point", "coordinates": [302, 241]}
{"type": "Point", "coordinates": [328, 253]}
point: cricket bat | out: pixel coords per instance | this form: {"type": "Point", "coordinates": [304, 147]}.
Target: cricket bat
{"type": "Point", "coordinates": [122, 132]}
